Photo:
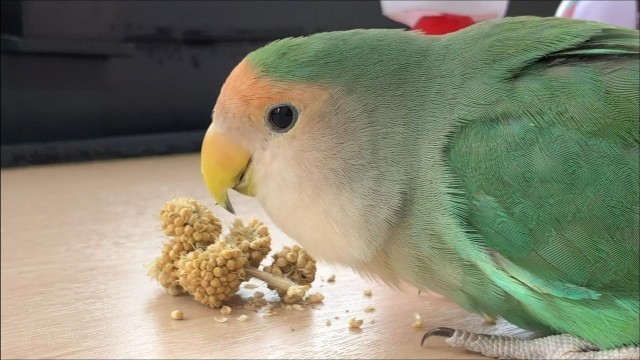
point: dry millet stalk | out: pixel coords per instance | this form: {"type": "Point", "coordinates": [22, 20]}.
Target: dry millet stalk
{"type": "Point", "coordinates": [289, 291]}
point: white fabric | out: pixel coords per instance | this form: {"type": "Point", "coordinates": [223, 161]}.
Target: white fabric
{"type": "Point", "coordinates": [409, 12]}
{"type": "Point", "coordinates": [614, 12]}
{"type": "Point", "coordinates": [617, 12]}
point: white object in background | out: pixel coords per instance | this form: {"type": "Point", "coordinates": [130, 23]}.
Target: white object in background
{"type": "Point", "coordinates": [410, 12]}
{"type": "Point", "coordinates": [623, 13]}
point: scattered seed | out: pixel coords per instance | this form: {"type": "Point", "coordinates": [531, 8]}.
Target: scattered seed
{"type": "Point", "coordinates": [225, 310]}
{"type": "Point", "coordinates": [297, 290]}
{"type": "Point", "coordinates": [328, 322]}
{"type": "Point", "coordinates": [315, 298]}
{"type": "Point", "coordinates": [177, 314]}
{"type": "Point", "coordinates": [174, 290]}
{"type": "Point", "coordinates": [221, 320]}
{"type": "Point", "coordinates": [369, 308]}
{"type": "Point", "coordinates": [243, 317]}
{"type": "Point", "coordinates": [297, 307]}
{"type": "Point", "coordinates": [417, 321]}
{"type": "Point", "coordinates": [331, 278]}
{"type": "Point", "coordinates": [250, 286]}
{"type": "Point", "coordinates": [367, 292]}
{"type": "Point", "coordinates": [268, 311]}
{"type": "Point", "coordinates": [355, 323]}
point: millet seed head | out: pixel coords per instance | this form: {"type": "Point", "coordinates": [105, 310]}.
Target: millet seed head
{"type": "Point", "coordinates": [212, 275]}
{"type": "Point", "coordinates": [190, 222]}
{"type": "Point", "coordinates": [164, 268]}
{"type": "Point", "coordinates": [199, 261]}
{"type": "Point", "coordinates": [253, 239]}
{"type": "Point", "coordinates": [293, 263]}
{"type": "Point", "coordinates": [189, 225]}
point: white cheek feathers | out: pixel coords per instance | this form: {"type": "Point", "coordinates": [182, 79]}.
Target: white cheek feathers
{"type": "Point", "coordinates": [308, 206]}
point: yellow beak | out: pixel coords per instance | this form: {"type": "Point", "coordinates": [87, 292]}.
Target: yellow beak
{"type": "Point", "coordinates": [225, 165]}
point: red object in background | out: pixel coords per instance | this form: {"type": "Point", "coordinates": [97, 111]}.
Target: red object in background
{"type": "Point", "coordinates": [442, 24]}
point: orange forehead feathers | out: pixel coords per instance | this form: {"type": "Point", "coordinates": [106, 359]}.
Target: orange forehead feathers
{"type": "Point", "coordinates": [247, 95]}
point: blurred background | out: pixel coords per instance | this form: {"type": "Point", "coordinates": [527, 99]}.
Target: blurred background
{"type": "Point", "coordinates": [91, 80]}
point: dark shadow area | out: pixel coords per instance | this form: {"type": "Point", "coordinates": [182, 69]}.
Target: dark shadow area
{"type": "Point", "coordinates": [90, 80]}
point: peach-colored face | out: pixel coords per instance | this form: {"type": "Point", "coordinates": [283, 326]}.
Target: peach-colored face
{"type": "Point", "coordinates": [246, 97]}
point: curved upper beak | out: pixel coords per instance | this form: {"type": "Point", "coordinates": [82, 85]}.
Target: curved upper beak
{"type": "Point", "coordinates": [225, 165]}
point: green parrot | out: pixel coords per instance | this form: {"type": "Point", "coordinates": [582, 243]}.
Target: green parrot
{"type": "Point", "coordinates": [497, 166]}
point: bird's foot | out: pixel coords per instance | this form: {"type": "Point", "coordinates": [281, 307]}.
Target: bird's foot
{"type": "Point", "coordinates": [551, 347]}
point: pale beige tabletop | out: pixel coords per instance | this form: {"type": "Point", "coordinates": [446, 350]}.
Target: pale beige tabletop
{"type": "Point", "coordinates": [74, 241]}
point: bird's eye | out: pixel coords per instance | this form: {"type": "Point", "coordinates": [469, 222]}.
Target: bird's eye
{"type": "Point", "coordinates": [282, 117]}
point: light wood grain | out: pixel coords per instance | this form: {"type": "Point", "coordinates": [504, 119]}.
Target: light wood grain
{"type": "Point", "coordinates": [74, 241]}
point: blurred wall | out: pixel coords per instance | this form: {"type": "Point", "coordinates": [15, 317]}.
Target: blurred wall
{"type": "Point", "coordinates": [88, 80]}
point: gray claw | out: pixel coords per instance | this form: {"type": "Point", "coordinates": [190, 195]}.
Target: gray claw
{"type": "Point", "coordinates": [441, 331]}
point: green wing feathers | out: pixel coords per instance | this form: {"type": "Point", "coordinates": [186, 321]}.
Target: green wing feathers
{"type": "Point", "coordinates": [551, 174]}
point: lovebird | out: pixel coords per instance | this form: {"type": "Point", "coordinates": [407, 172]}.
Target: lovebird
{"type": "Point", "coordinates": [497, 165]}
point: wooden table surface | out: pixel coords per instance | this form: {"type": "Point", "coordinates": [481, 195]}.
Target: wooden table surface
{"type": "Point", "coordinates": [74, 241]}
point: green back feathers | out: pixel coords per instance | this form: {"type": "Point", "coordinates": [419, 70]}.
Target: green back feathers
{"type": "Point", "coordinates": [547, 154]}
{"type": "Point", "coordinates": [554, 70]}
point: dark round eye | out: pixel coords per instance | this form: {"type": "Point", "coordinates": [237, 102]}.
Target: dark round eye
{"type": "Point", "coordinates": [282, 117]}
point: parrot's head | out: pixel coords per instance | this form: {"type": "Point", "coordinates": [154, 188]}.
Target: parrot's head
{"type": "Point", "coordinates": [310, 128]}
